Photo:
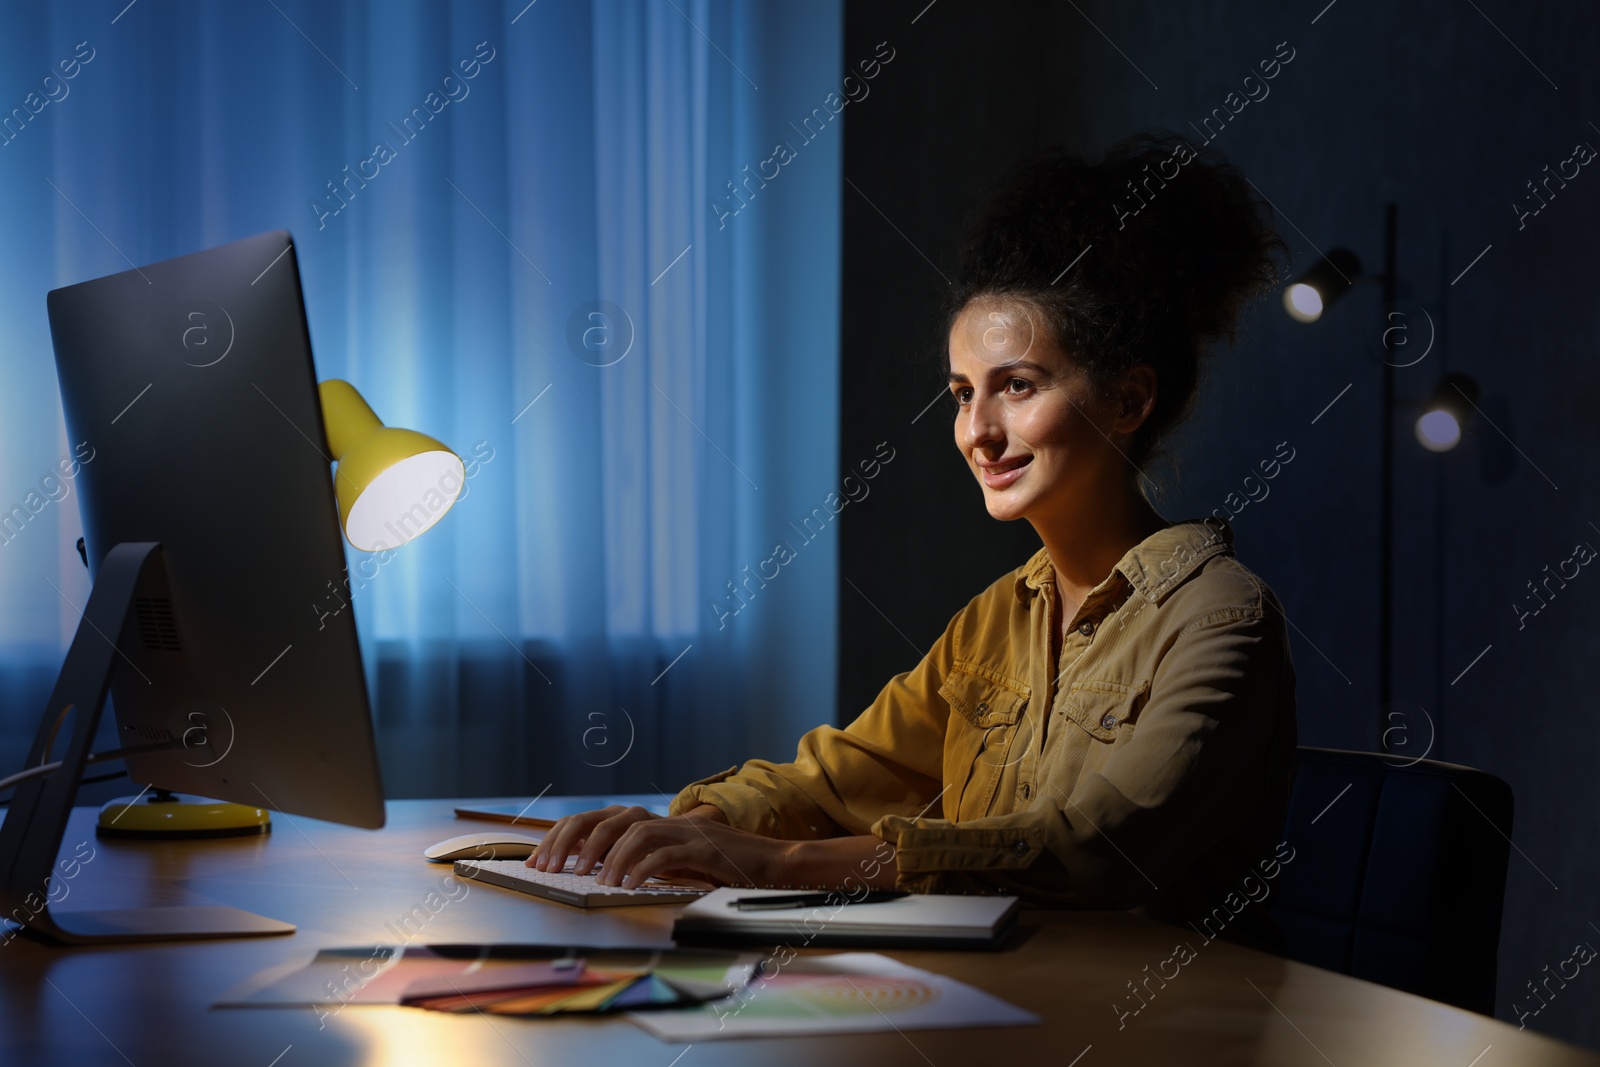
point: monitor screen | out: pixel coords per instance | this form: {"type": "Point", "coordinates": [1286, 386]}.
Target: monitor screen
{"type": "Point", "coordinates": [191, 382]}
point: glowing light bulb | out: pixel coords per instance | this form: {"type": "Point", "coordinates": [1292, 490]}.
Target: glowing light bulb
{"type": "Point", "coordinates": [1302, 302]}
{"type": "Point", "coordinates": [1438, 431]}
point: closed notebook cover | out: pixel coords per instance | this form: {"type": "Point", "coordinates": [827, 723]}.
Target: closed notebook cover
{"type": "Point", "coordinates": [938, 918]}
{"type": "Point", "coordinates": [542, 812]}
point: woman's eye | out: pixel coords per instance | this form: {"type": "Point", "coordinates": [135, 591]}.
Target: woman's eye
{"type": "Point", "coordinates": [962, 395]}
{"type": "Point", "coordinates": [1018, 385]}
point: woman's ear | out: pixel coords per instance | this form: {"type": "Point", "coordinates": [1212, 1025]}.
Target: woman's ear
{"type": "Point", "coordinates": [1137, 391]}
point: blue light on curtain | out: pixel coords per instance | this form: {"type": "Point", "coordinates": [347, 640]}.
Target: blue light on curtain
{"type": "Point", "coordinates": [569, 623]}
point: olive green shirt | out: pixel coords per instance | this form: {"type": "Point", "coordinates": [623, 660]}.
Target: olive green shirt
{"type": "Point", "coordinates": [1148, 766]}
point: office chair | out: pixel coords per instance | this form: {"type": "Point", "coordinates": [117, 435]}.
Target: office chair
{"type": "Point", "coordinates": [1399, 872]}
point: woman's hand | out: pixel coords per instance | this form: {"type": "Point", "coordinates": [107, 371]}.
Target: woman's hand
{"type": "Point", "coordinates": [697, 848]}
{"type": "Point", "coordinates": [592, 834]}
{"type": "Point", "coordinates": [636, 845]}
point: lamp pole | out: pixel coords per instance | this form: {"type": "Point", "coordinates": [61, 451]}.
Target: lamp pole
{"type": "Point", "coordinates": [1386, 475]}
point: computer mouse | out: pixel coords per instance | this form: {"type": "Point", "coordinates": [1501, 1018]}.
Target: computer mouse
{"type": "Point", "coordinates": [482, 846]}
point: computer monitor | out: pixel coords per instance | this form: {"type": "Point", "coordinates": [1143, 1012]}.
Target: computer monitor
{"type": "Point", "coordinates": [219, 610]}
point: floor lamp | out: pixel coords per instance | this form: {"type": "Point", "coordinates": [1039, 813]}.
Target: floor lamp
{"type": "Point", "coordinates": [1438, 428]}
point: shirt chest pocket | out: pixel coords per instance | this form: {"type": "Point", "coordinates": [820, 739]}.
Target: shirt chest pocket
{"type": "Point", "coordinates": [981, 738]}
{"type": "Point", "coordinates": [1106, 710]}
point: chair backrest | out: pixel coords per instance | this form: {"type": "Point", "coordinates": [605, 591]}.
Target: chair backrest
{"type": "Point", "coordinates": [1399, 873]}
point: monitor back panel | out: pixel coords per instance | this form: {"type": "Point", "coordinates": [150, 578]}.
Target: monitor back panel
{"type": "Point", "coordinates": [189, 386]}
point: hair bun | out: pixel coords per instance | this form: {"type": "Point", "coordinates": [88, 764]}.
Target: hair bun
{"type": "Point", "coordinates": [1193, 227]}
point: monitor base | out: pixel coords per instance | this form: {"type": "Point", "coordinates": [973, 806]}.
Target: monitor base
{"type": "Point", "coordinates": [35, 823]}
{"type": "Point", "coordinates": [123, 925]}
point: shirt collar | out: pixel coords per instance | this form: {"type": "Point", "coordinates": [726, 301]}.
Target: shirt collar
{"type": "Point", "coordinates": [1155, 566]}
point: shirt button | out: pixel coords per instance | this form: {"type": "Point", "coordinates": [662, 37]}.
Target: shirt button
{"type": "Point", "coordinates": [983, 707]}
{"type": "Point", "coordinates": [1087, 629]}
{"type": "Point", "coordinates": [1108, 721]}
{"type": "Point", "coordinates": [1020, 848]}
{"type": "Point", "coordinates": [1027, 790]}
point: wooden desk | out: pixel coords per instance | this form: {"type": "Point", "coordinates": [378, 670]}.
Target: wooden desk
{"type": "Point", "coordinates": [150, 1005]}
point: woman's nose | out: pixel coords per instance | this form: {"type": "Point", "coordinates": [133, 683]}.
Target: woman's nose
{"type": "Point", "coordinates": [982, 424]}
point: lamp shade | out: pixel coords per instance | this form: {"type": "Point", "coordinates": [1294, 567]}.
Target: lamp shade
{"type": "Point", "coordinates": [1319, 287]}
{"type": "Point", "coordinates": [392, 484]}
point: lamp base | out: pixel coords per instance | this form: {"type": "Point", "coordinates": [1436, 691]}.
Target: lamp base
{"type": "Point", "coordinates": [168, 816]}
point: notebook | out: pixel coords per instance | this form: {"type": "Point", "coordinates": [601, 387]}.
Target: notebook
{"type": "Point", "coordinates": [543, 811]}
{"type": "Point", "coordinates": [919, 920]}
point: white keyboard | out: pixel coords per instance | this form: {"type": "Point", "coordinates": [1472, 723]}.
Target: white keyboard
{"type": "Point", "coordinates": [565, 887]}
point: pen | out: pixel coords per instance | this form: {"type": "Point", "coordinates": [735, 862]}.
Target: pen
{"type": "Point", "coordinates": [811, 900]}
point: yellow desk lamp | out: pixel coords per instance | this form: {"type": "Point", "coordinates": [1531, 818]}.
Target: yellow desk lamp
{"type": "Point", "coordinates": [391, 484]}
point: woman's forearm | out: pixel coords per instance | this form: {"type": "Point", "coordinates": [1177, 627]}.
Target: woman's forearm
{"type": "Point", "coordinates": [707, 811]}
{"type": "Point", "coordinates": [849, 863]}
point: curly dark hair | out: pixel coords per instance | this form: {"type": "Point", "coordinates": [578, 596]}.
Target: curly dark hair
{"type": "Point", "coordinates": [1178, 244]}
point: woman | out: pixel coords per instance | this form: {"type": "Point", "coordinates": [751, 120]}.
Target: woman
{"type": "Point", "coordinates": [1111, 724]}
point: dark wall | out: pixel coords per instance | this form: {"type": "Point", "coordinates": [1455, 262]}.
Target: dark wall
{"type": "Point", "coordinates": [1425, 105]}
{"type": "Point", "coordinates": [964, 95]}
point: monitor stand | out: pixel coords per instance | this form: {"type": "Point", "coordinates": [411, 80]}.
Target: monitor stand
{"type": "Point", "coordinates": [31, 835]}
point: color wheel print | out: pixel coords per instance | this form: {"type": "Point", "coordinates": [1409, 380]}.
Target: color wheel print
{"type": "Point", "coordinates": [811, 995]}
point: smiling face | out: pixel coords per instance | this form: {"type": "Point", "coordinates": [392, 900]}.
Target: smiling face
{"type": "Point", "coordinates": [1041, 440]}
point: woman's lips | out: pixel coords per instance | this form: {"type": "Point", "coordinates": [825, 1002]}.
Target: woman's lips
{"type": "Point", "coordinates": [1003, 474]}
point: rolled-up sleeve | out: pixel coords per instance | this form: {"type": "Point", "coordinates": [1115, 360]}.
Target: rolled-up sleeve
{"type": "Point", "coordinates": [1205, 752]}
{"type": "Point", "coordinates": [843, 781]}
